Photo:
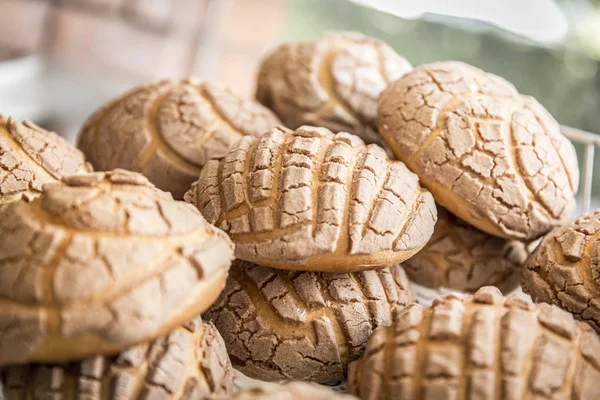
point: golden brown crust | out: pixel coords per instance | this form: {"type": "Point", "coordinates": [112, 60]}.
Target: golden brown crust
{"type": "Point", "coordinates": [287, 391]}
{"type": "Point", "coordinates": [565, 269]}
{"type": "Point", "coordinates": [333, 82]}
{"type": "Point", "coordinates": [312, 200]}
{"type": "Point", "coordinates": [463, 258]}
{"type": "Point", "coordinates": [304, 325]}
{"type": "Point", "coordinates": [168, 130]}
{"type": "Point", "coordinates": [101, 262]}
{"type": "Point", "coordinates": [492, 157]}
{"type": "Point", "coordinates": [30, 157]}
{"type": "Point", "coordinates": [480, 347]}
{"type": "Point", "coordinates": [189, 363]}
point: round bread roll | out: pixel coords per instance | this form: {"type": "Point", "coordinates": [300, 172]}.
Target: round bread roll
{"type": "Point", "coordinates": [286, 391]}
{"type": "Point", "coordinates": [492, 157]}
{"type": "Point", "coordinates": [333, 82]}
{"type": "Point", "coordinates": [461, 257]}
{"type": "Point", "coordinates": [189, 363]}
{"type": "Point", "coordinates": [303, 325]}
{"type": "Point", "coordinates": [169, 129]}
{"type": "Point", "coordinates": [480, 347]}
{"type": "Point", "coordinates": [101, 262]}
{"type": "Point", "coordinates": [30, 157]}
{"type": "Point", "coordinates": [565, 269]}
{"type": "Point", "coordinates": [312, 200]}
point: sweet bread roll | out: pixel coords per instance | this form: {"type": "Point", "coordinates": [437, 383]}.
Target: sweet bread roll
{"type": "Point", "coordinates": [312, 200]}
{"type": "Point", "coordinates": [189, 363]}
{"type": "Point", "coordinates": [492, 157]}
{"type": "Point", "coordinates": [168, 130]}
{"type": "Point", "coordinates": [463, 258]}
{"type": "Point", "coordinates": [101, 262]}
{"type": "Point", "coordinates": [287, 391]}
{"type": "Point", "coordinates": [480, 347]}
{"type": "Point", "coordinates": [303, 325]}
{"type": "Point", "coordinates": [31, 156]}
{"type": "Point", "coordinates": [333, 82]}
{"type": "Point", "coordinates": [565, 269]}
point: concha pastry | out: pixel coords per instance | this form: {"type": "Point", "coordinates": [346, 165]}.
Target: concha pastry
{"type": "Point", "coordinates": [286, 391]}
{"type": "Point", "coordinates": [333, 81]}
{"type": "Point", "coordinates": [101, 262]}
{"type": "Point", "coordinates": [480, 347]}
{"type": "Point", "coordinates": [304, 325]}
{"type": "Point", "coordinates": [565, 269]}
{"type": "Point", "coordinates": [312, 200]}
{"type": "Point", "coordinates": [168, 130]}
{"type": "Point", "coordinates": [31, 156]}
{"type": "Point", "coordinates": [463, 258]}
{"type": "Point", "coordinates": [491, 156]}
{"type": "Point", "coordinates": [189, 363]}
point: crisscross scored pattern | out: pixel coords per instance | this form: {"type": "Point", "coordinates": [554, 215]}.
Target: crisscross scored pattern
{"type": "Point", "coordinates": [463, 258]}
{"type": "Point", "coordinates": [31, 157]}
{"type": "Point", "coordinates": [189, 363]}
{"type": "Point", "coordinates": [565, 269]}
{"type": "Point", "coordinates": [492, 157]}
{"type": "Point", "coordinates": [309, 199]}
{"type": "Point", "coordinates": [100, 263]}
{"type": "Point", "coordinates": [480, 347]}
{"type": "Point", "coordinates": [304, 325]}
{"type": "Point", "coordinates": [168, 130]}
{"type": "Point", "coordinates": [333, 82]}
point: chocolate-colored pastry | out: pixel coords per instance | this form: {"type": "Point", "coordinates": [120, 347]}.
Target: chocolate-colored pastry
{"type": "Point", "coordinates": [286, 391]}
{"type": "Point", "coordinates": [480, 347]}
{"type": "Point", "coordinates": [101, 262]}
{"type": "Point", "coordinates": [312, 200]}
{"type": "Point", "coordinates": [189, 363]}
{"type": "Point", "coordinates": [333, 82]}
{"type": "Point", "coordinates": [304, 325]}
{"type": "Point", "coordinates": [168, 130]}
{"type": "Point", "coordinates": [492, 157]}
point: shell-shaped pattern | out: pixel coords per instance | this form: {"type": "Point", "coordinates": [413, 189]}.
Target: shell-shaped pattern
{"type": "Point", "coordinates": [189, 363]}
{"type": "Point", "coordinates": [287, 391]}
{"type": "Point", "coordinates": [492, 157]}
{"type": "Point", "coordinates": [565, 269]}
{"type": "Point", "coordinates": [169, 129]}
{"type": "Point", "coordinates": [101, 262]}
{"type": "Point", "coordinates": [333, 81]}
{"type": "Point", "coordinates": [304, 325]}
{"type": "Point", "coordinates": [31, 156]}
{"type": "Point", "coordinates": [312, 200]}
{"type": "Point", "coordinates": [480, 347]}
{"type": "Point", "coordinates": [463, 258]}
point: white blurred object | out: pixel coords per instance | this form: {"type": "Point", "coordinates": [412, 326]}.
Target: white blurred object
{"type": "Point", "coordinates": [539, 20]}
{"type": "Point", "coordinates": [21, 88]}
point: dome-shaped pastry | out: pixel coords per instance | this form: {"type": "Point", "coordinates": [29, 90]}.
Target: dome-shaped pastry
{"type": "Point", "coordinates": [312, 200]}
{"type": "Point", "coordinates": [169, 129]}
{"type": "Point", "coordinates": [101, 262]}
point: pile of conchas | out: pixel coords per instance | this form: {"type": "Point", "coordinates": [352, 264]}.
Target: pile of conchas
{"type": "Point", "coordinates": [279, 237]}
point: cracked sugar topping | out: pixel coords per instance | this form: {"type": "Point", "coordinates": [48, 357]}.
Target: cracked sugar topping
{"type": "Point", "coordinates": [104, 260]}
{"type": "Point", "coordinates": [189, 363]}
{"type": "Point", "coordinates": [168, 130]}
{"type": "Point", "coordinates": [480, 347]}
{"type": "Point", "coordinates": [304, 325]}
{"type": "Point", "coordinates": [287, 391]}
{"type": "Point", "coordinates": [461, 257]}
{"type": "Point", "coordinates": [309, 199]}
{"type": "Point", "coordinates": [492, 157]}
{"type": "Point", "coordinates": [333, 82]}
{"type": "Point", "coordinates": [31, 156]}
{"type": "Point", "coordinates": [565, 269]}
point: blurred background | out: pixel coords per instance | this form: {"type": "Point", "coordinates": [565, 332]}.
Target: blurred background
{"type": "Point", "coordinates": [61, 59]}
